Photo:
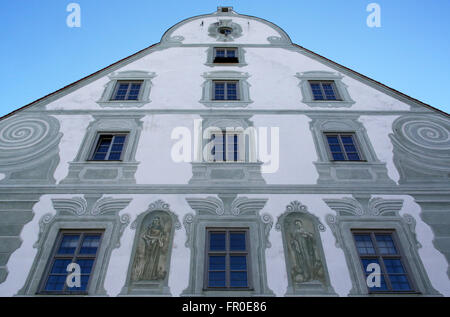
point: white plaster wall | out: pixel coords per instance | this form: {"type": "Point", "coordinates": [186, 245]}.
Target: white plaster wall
{"type": "Point", "coordinates": [378, 129]}
{"type": "Point", "coordinates": [253, 32]}
{"type": "Point", "coordinates": [73, 128]}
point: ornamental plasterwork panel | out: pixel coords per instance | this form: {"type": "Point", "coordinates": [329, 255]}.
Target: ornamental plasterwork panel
{"type": "Point", "coordinates": [29, 151]}
{"type": "Point", "coordinates": [88, 212]}
{"type": "Point", "coordinates": [214, 30]}
{"type": "Point", "coordinates": [422, 148]}
{"type": "Point", "coordinates": [228, 211]}
{"type": "Point", "coordinates": [368, 171]}
{"type": "Point", "coordinates": [148, 271]}
{"type": "Point", "coordinates": [366, 212]}
{"type": "Point", "coordinates": [304, 255]}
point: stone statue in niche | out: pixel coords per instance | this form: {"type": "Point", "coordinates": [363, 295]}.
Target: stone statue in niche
{"type": "Point", "coordinates": [151, 254]}
{"type": "Point", "coordinates": [307, 265]}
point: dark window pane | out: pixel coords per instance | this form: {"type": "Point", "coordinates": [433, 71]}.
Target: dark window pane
{"type": "Point", "coordinates": [238, 263]}
{"type": "Point", "coordinates": [119, 139]}
{"type": "Point", "coordinates": [68, 244]}
{"type": "Point", "coordinates": [220, 53]}
{"type": "Point", "coordinates": [114, 156]}
{"type": "Point", "coordinates": [394, 266]}
{"type": "Point", "coordinates": [85, 265]}
{"type": "Point", "coordinates": [237, 241]}
{"type": "Point", "coordinates": [216, 279]}
{"type": "Point", "coordinates": [364, 244]}
{"type": "Point", "coordinates": [216, 263]}
{"type": "Point", "coordinates": [329, 92]}
{"type": "Point", "coordinates": [217, 241]}
{"type": "Point", "coordinates": [353, 157]}
{"type": "Point", "coordinates": [332, 139]}
{"type": "Point", "coordinates": [338, 157]}
{"type": "Point", "coordinates": [99, 157]}
{"type": "Point", "coordinates": [231, 53]}
{"type": "Point", "coordinates": [385, 244]}
{"type": "Point", "coordinates": [117, 148]}
{"type": "Point", "coordinates": [238, 279]}
{"type": "Point", "coordinates": [347, 139]}
{"type": "Point", "coordinates": [90, 244]}
{"type": "Point", "coordinates": [400, 283]}
{"type": "Point", "coordinates": [55, 283]}
{"type": "Point", "coordinates": [60, 266]}
{"type": "Point", "coordinates": [349, 148]}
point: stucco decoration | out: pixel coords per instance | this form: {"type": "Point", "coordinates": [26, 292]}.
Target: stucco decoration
{"type": "Point", "coordinates": [305, 259]}
{"type": "Point", "coordinates": [84, 170]}
{"type": "Point", "coordinates": [243, 89]}
{"type": "Point", "coordinates": [422, 148]}
{"type": "Point", "coordinates": [228, 211]}
{"type": "Point", "coordinates": [16, 210]}
{"type": "Point", "coordinates": [131, 75]}
{"type": "Point", "coordinates": [150, 260]}
{"type": "Point", "coordinates": [369, 171]}
{"type": "Point", "coordinates": [29, 150]}
{"type": "Point", "coordinates": [343, 97]}
{"type": "Point", "coordinates": [88, 212]}
{"type": "Point", "coordinates": [225, 30]}
{"type": "Point", "coordinates": [364, 212]}
{"type": "Point", "coordinates": [245, 171]}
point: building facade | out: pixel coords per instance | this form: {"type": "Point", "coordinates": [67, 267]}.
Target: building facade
{"type": "Point", "coordinates": [225, 161]}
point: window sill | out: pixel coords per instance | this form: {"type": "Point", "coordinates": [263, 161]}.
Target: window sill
{"type": "Point", "coordinates": [329, 103]}
{"type": "Point", "coordinates": [226, 103]}
{"type": "Point", "coordinates": [123, 103]}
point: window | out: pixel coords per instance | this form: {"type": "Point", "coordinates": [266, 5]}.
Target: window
{"type": "Point", "coordinates": [324, 90]}
{"type": "Point", "coordinates": [225, 146]}
{"type": "Point", "coordinates": [78, 247]}
{"type": "Point", "coordinates": [127, 90]}
{"type": "Point", "coordinates": [227, 258]}
{"type": "Point", "coordinates": [343, 147]}
{"type": "Point", "coordinates": [226, 55]}
{"type": "Point", "coordinates": [225, 30]}
{"type": "Point", "coordinates": [109, 147]}
{"type": "Point", "coordinates": [226, 90]}
{"type": "Point", "coordinates": [380, 247]}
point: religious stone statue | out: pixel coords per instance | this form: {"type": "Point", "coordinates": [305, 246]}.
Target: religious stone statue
{"type": "Point", "coordinates": [150, 260]}
{"type": "Point", "coordinates": [306, 263]}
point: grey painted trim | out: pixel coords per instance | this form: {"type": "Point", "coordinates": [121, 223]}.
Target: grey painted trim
{"type": "Point", "coordinates": [314, 288]}
{"type": "Point", "coordinates": [370, 170]}
{"type": "Point", "coordinates": [364, 212]}
{"type": "Point", "coordinates": [16, 210]}
{"type": "Point", "coordinates": [305, 77]}
{"type": "Point", "coordinates": [90, 212]}
{"type": "Point", "coordinates": [144, 94]}
{"type": "Point", "coordinates": [422, 149]}
{"type": "Point", "coordinates": [428, 189]}
{"type": "Point", "coordinates": [240, 54]}
{"type": "Point", "coordinates": [243, 89]}
{"type": "Point", "coordinates": [435, 212]}
{"type": "Point", "coordinates": [29, 151]}
{"type": "Point", "coordinates": [151, 288]}
{"type": "Point", "coordinates": [227, 211]}
{"type": "Point", "coordinates": [248, 112]}
{"type": "Point", "coordinates": [83, 170]}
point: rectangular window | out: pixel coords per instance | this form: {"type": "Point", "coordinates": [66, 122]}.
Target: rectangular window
{"type": "Point", "coordinates": [324, 90]}
{"type": "Point", "coordinates": [127, 90]}
{"type": "Point", "coordinates": [226, 90]}
{"type": "Point", "coordinates": [227, 258]}
{"type": "Point", "coordinates": [381, 248]}
{"type": "Point", "coordinates": [225, 55]}
{"type": "Point", "coordinates": [109, 147]}
{"type": "Point", "coordinates": [343, 147]}
{"type": "Point", "coordinates": [72, 246]}
{"type": "Point", "coordinates": [225, 146]}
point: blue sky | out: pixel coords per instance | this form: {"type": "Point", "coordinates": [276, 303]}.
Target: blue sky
{"type": "Point", "coordinates": [410, 52]}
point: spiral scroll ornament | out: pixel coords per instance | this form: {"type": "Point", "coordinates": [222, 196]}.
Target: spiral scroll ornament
{"type": "Point", "coordinates": [427, 134]}
{"type": "Point", "coordinates": [24, 137]}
